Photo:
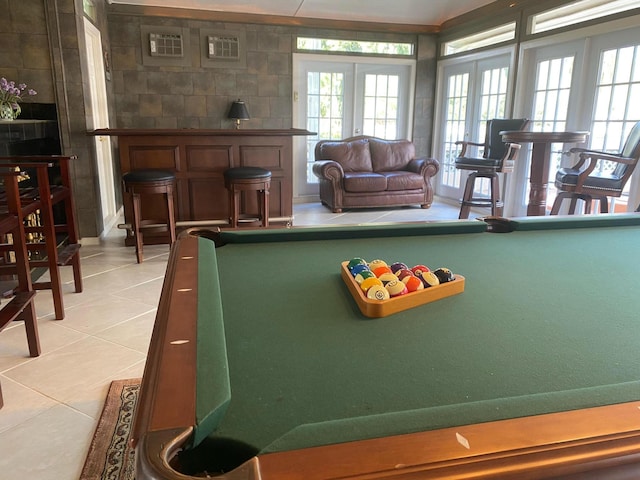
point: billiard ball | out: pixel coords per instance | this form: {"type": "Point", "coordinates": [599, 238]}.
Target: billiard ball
{"type": "Point", "coordinates": [373, 264]}
{"type": "Point", "coordinates": [379, 270]}
{"type": "Point", "coordinates": [396, 288]}
{"type": "Point", "coordinates": [356, 261]}
{"type": "Point", "coordinates": [367, 283]}
{"type": "Point", "coordinates": [378, 292]}
{"type": "Point", "coordinates": [429, 279]}
{"type": "Point", "coordinates": [387, 277]}
{"type": "Point", "coordinates": [363, 275]}
{"type": "Point", "coordinates": [444, 275]}
{"type": "Point", "coordinates": [420, 268]}
{"type": "Point", "coordinates": [358, 268]}
{"type": "Point", "coordinates": [403, 272]}
{"type": "Point", "coordinates": [413, 283]}
{"type": "Point", "coordinates": [398, 266]}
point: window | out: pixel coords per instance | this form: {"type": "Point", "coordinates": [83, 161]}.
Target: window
{"type": "Point", "coordinates": [578, 12]}
{"type": "Point", "coordinates": [615, 111]}
{"type": "Point", "coordinates": [493, 36]}
{"type": "Point", "coordinates": [354, 46]}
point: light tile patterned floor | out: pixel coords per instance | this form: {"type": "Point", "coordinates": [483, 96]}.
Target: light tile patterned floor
{"type": "Point", "coordinates": [52, 403]}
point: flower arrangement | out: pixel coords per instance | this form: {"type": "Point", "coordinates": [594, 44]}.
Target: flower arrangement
{"type": "Point", "coordinates": [10, 98]}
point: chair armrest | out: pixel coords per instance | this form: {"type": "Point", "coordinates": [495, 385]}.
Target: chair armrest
{"type": "Point", "coordinates": [466, 144]}
{"type": "Point", "coordinates": [328, 170]}
{"type": "Point", "coordinates": [595, 156]}
{"type": "Point", "coordinates": [427, 167]}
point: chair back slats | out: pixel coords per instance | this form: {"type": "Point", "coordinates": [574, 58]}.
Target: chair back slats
{"type": "Point", "coordinates": [39, 193]}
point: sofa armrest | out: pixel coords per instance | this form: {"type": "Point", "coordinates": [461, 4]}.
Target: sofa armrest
{"type": "Point", "coordinates": [328, 170]}
{"type": "Point", "coordinates": [427, 167]}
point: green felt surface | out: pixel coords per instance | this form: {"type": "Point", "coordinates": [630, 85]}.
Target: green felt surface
{"type": "Point", "coordinates": [213, 389]}
{"type": "Point", "coordinates": [548, 322]}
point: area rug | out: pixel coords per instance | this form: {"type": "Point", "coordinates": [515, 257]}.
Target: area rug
{"type": "Point", "coordinates": [110, 456]}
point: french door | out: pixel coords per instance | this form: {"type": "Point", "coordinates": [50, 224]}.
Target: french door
{"type": "Point", "coordinates": [100, 119]}
{"type": "Point", "coordinates": [474, 91]}
{"type": "Point", "coordinates": [338, 97]}
{"type": "Point", "coordinates": [550, 90]}
{"type": "Point", "coordinates": [600, 97]}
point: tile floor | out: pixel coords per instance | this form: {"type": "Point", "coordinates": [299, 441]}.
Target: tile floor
{"type": "Point", "coordinates": [53, 402]}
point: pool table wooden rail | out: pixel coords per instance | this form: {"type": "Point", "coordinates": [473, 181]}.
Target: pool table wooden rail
{"type": "Point", "coordinates": [595, 443]}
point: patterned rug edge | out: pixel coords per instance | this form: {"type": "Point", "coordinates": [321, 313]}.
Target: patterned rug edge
{"type": "Point", "coordinates": [110, 456]}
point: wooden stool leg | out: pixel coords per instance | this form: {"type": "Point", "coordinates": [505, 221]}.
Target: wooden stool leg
{"type": "Point", "coordinates": [496, 203]}
{"type": "Point", "coordinates": [49, 233]}
{"type": "Point", "coordinates": [31, 327]}
{"type": "Point", "coordinates": [465, 208]}
{"type": "Point", "coordinates": [135, 200]}
{"type": "Point", "coordinates": [71, 224]}
{"type": "Point", "coordinates": [265, 206]}
{"type": "Point", "coordinates": [171, 219]}
{"type": "Point", "coordinates": [234, 200]}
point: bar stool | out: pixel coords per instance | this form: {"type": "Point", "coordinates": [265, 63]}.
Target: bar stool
{"type": "Point", "coordinates": [238, 179]}
{"type": "Point", "coordinates": [150, 182]}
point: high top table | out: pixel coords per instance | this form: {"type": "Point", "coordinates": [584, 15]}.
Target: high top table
{"type": "Point", "coordinates": [540, 161]}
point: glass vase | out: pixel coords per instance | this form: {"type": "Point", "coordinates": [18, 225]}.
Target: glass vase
{"type": "Point", "coordinates": [6, 112]}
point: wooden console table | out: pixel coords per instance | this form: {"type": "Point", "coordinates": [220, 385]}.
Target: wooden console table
{"type": "Point", "coordinates": [199, 157]}
{"type": "Point", "coordinates": [540, 160]}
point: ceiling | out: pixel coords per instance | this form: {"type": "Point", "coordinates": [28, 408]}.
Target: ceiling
{"type": "Point", "coordinates": [410, 12]}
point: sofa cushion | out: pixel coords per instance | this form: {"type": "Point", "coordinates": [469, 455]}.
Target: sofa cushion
{"type": "Point", "coordinates": [364, 182]}
{"type": "Point", "coordinates": [390, 155]}
{"type": "Point", "coordinates": [403, 181]}
{"type": "Point", "coordinates": [352, 156]}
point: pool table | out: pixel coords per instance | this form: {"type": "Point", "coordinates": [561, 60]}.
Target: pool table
{"type": "Point", "coordinates": [261, 365]}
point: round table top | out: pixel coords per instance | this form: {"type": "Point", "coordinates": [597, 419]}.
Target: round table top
{"type": "Point", "coordinates": [543, 137]}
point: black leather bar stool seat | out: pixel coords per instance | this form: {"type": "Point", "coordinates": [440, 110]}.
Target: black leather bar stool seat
{"type": "Point", "coordinates": [150, 182]}
{"type": "Point", "coordinates": [239, 179]}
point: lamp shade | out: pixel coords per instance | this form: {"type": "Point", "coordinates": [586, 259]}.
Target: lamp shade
{"type": "Point", "coordinates": [238, 111]}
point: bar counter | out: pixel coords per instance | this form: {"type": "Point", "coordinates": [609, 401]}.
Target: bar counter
{"type": "Point", "coordinates": [199, 158]}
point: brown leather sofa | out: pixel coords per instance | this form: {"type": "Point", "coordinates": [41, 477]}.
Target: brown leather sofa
{"type": "Point", "coordinates": [363, 171]}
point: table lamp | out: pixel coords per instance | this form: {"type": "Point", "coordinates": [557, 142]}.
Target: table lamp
{"type": "Point", "coordinates": [238, 111]}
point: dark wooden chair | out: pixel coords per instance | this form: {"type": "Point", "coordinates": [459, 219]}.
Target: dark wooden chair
{"type": "Point", "coordinates": [497, 158]}
{"type": "Point", "coordinates": [51, 244]}
{"type": "Point", "coordinates": [587, 179]}
{"type": "Point", "coordinates": [20, 306]}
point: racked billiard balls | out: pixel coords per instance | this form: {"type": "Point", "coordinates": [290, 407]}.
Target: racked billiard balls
{"type": "Point", "coordinates": [444, 274]}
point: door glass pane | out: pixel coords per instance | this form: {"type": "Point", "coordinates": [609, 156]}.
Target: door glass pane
{"type": "Point", "coordinates": [455, 118]}
{"type": "Point", "coordinates": [380, 114]}
{"type": "Point", "coordinates": [325, 102]}
{"type": "Point", "coordinates": [493, 101]}
{"type": "Point", "coordinates": [616, 111]}
{"type": "Point", "coordinates": [551, 108]}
